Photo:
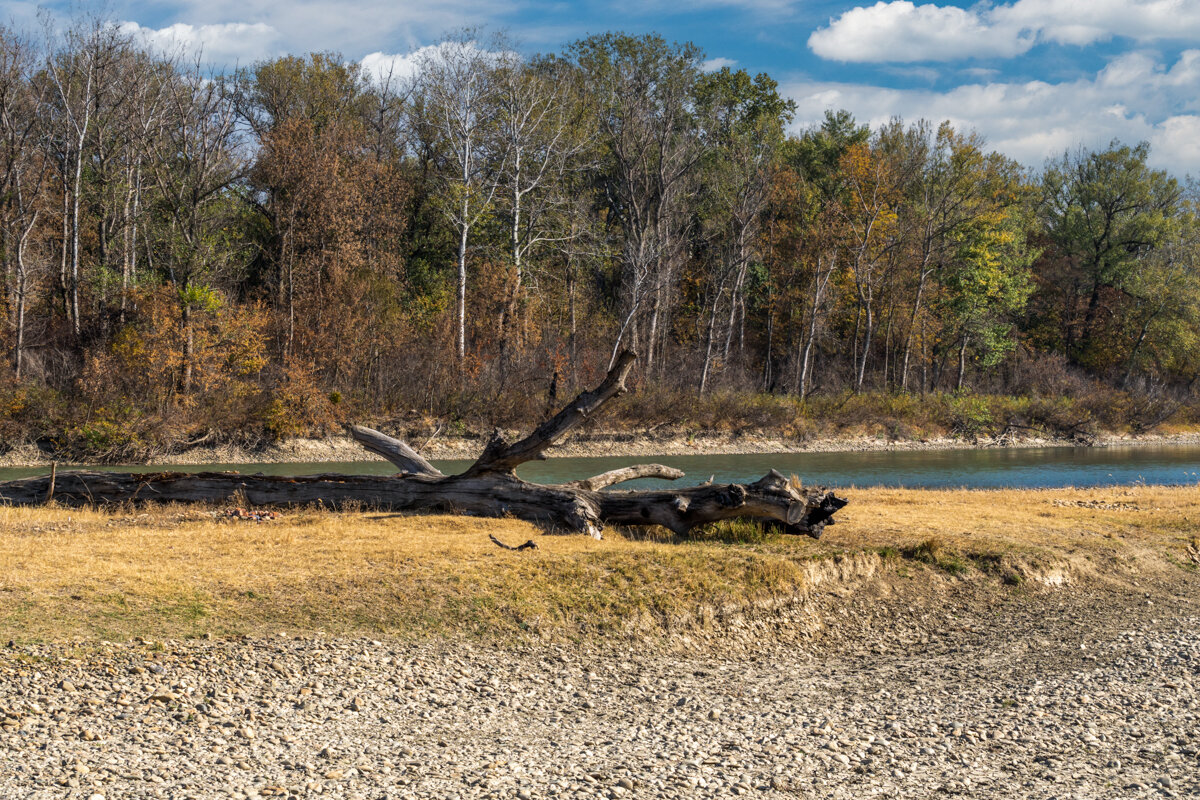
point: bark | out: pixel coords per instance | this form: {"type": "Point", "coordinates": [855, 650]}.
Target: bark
{"type": "Point", "coordinates": [962, 363]}
{"type": "Point", "coordinates": [820, 282]}
{"type": "Point", "coordinates": [489, 488]}
{"type": "Point", "coordinates": [460, 310]}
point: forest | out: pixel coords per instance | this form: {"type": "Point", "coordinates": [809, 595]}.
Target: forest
{"type": "Point", "coordinates": [244, 256]}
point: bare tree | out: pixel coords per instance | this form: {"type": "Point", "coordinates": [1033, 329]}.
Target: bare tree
{"type": "Point", "coordinates": [541, 137]}
{"type": "Point", "coordinates": [23, 167]}
{"type": "Point", "coordinates": [78, 65]}
{"type": "Point", "coordinates": [456, 92]}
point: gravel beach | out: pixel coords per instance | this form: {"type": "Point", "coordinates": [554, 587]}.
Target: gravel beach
{"type": "Point", "coordinates": [1074, 693]}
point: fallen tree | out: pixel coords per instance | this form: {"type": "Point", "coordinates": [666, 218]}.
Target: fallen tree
{"type": "Point", "coordinates": [489, 487]}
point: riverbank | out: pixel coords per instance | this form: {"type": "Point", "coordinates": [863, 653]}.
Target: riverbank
{"type": "Point", "coordinates": [982, 643]}
{"type": "Point", "coordinates": [610, 443]}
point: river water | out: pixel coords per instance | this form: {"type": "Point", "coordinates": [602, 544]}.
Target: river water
{"type": "Point", "coordinates": [992, 468]}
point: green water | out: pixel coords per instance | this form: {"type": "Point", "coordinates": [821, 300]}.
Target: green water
{"type": "Point", "coordinates": [993, 468]}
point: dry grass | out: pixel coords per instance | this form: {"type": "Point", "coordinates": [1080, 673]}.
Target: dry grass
{"type": "Point", "coordinates": [175, 572]}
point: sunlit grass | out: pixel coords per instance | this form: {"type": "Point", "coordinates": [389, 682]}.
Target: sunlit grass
{"type": "Point", "coordinates": [178, 571]}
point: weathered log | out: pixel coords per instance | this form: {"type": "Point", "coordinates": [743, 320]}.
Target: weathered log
{"type": "Point", "coordinates": [488, 488]}
{"type": "Point", "coordinates": [773, 499]}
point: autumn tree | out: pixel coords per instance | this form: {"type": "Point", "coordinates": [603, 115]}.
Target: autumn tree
{"type": "Point", "coordinates": [644, 90]}
{"type": "Point", "coordinates": [742, 120]}
{"type": "Point", "coordinates": [1104, 212]}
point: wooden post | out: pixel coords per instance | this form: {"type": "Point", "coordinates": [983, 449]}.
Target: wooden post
{"type": "Point", "coordinates": [53, 475]}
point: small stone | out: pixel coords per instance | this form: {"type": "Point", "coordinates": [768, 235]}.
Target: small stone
{"type": "Point", "coordinates": [247, 732]}
{"type": "Point", "coordinates": [625, 783]}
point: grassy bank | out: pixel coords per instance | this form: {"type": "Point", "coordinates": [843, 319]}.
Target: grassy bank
{"type": "Point", "coordinates": [178, 572]}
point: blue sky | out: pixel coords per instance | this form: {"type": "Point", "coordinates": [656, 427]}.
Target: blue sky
{"type": "Point", "coordinates": [1034, 76]}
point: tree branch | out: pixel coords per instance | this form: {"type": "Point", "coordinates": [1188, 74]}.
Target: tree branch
{"type": "Point", "coordinates": [612, 477]}
{"type": "Point", "coordinates": [500, 456]}
{"type": "Point", "coordinates": [394, 450]}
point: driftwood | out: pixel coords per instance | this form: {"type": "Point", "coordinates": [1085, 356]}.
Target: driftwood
{"type": "Point", "coordinates": [530, 545]}
{"type": "Point", "coordinates": [489, 487]}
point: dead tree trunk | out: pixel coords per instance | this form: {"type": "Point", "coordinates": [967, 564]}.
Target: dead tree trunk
{"type": "Point", "coordinates": [489, 488]}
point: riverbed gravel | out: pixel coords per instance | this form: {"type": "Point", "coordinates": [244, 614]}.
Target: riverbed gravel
{"type": "Point", "coordinates": [1066, 694]}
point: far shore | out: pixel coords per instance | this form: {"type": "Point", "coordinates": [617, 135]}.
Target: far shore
{"type": "Point", "coordinates": [608, 443]}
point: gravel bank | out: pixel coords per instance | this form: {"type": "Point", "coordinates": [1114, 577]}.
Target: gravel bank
{"type": "Point", "coordinates": [636, 444]}
{"type": "Point", "coordinates": [1046, 694]}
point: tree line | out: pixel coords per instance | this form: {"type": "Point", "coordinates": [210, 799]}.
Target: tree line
{"type": "Point", "coordinates": [190, 256]}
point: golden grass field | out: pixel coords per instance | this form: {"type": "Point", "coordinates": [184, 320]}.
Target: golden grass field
{"type": "Point", "coordinates": [170, 572]}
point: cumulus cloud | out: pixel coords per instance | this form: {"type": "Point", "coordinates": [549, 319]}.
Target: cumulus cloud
{"type": "Point", "coordinates": [1082, 22]}
{"type": "Point", "coordinates": [714, 64]}
{"type": "Point", "coordinates": [396, 66]}
{"type": "Point", "coordinates": [1134, 97]}
{"type": "Point", "coordinates": [901, 31]}
{"type": "Point", "coordinates": [383, 66]}
{"type": "Point", "coordinates": [224, 43]}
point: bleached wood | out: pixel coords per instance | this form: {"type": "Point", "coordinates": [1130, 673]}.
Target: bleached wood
{"type": "Point", "coordinates": [633, 473]}
{"type": "Point", "coordinates": [394, 450]}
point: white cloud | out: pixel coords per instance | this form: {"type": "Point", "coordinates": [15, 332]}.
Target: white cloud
{"type": "Point", "coordinates": [714, 64]}
{"type": "Point", "coordinates": [302, 26]}
{"type": "Point", "coordinates": [381, 66]}
{"type": "Point", "coordinates": [399, 67]}
{"type": "Point", "coordinates": [1082, 22]}
{"type": "Point", "coordinates": [901, 31]}
{"type": "Point", "coordinates": [1133, 98]}
{"type": "Point", "coordinates": [221, 44]}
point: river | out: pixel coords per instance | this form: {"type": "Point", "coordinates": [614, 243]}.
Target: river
{"type": "Point", "coordinates": [1046, 467]}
